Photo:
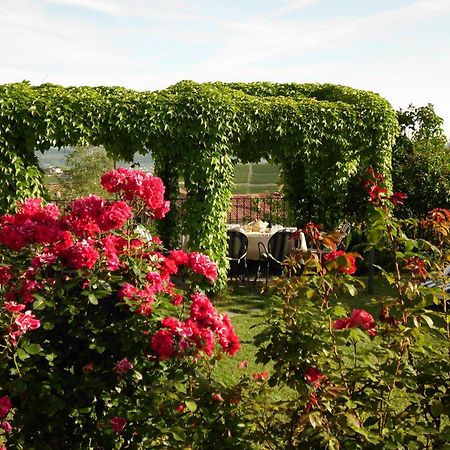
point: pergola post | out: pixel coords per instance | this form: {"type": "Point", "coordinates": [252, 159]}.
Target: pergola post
{"type": "Point", "coordinates": [208, 179]}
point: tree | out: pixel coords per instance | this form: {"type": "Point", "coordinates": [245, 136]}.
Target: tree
{"type": "Point", "coordinates": [421, 160]}
{"type": "Point", "coordinates": [86, 165]}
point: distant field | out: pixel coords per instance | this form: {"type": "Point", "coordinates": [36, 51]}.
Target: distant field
{"type": "Point", "coordinates": [256, 178]}
{"type": "Point", "coordinates": [248, 178]}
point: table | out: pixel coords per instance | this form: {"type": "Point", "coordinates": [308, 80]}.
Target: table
{"type": "Point", "coordinates": [254, 237]}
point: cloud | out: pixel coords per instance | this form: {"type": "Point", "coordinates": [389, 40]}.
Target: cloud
{"type": "Point", "coordinates": [266, 38]}
{"type": "Point", "coordinates": [149, 44]}
{"type": "Point", "coordinates": [170, 10]}
{"type": "Point", "coordinates": [289, 8]}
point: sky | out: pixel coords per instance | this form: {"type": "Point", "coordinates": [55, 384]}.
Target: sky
{"type": "Point", "coordinates": [397, 48]}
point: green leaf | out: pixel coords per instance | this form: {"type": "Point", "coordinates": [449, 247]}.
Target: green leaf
{"type": "Point", "coordinates": [178, 433]}
{"type": "Point", "coordinates": [191, 405]}
{"type": "Point", "coordinates": [33, 349]}
{"type": "Point", "coordinates": [22, 354]}
{"type": "Point", "coordinates": [351, 289]}
{"type": "Point", "coordinates": [39, 305]}
{"type": "Point", "coordinates": [92, 299]}
{"type": "Point", "coordinates": [428, 320]}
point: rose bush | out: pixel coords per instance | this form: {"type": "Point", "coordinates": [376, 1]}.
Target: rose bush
{"type": "Point", "coordinates": [100, 346]}
{"type": "Point", "coordinates": [364, 379]}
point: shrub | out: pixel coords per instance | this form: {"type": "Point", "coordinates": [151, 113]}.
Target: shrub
{"type": "Point", "coordinates": [364, 379]}
{"type": "Point", "coordinates": [100, 346]}
{"type": "Point", "coordinates": [421, 161]}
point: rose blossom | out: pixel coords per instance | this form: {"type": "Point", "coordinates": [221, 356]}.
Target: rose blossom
{"type": "Point", "coordinates": [260, 376]}
{"type": "Point", "coordinates": [118, 424]}
{"type": "Point", "coordinates": [163, 344]}
{"type": "Point", "coordinates": [362, 319]}
{"type": "Point", "coordinates": [88, 368]}
{"type": "Point", "coordinates": [314, 377]}
{"type": "Point", "coordinates": [27, 321]}
{"type": "Point", "coordinates": [123, 366]}
{"type": "Point", "coordinates": [14, 307]}
{"type": "Point", "coordinates": [7, 426]}
{"type": "Point", "coordinates": [359, 319]}
{"type": "Point", "coordinates": [350, 266]}
{"type": "Point", "coordinates": [5, 406]}
{"type": "Point", "coordinates": [201, 264]}
{"type": "Point", "coordinates": [218, 398]}
{"type": "Point", "coordinates": [81, 255]}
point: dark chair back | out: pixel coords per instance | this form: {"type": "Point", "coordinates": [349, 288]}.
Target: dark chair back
{"type": "Point", "coordinates": [280, 245]}
{"type": "Point", "coordinates": [237, 244]}
{"type": "Point", "coordinates": [345, 230]}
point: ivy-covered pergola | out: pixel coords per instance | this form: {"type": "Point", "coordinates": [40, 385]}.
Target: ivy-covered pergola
{"type": "Point", "coordinates": [323, 136]}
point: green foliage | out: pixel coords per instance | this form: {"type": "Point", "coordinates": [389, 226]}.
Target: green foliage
{"type": "Point", "coordinates": [359, 382]}
{"type": "Point", "coordinates": [421, 161]}
{"type": "Point", "coordinates": [322, 136]}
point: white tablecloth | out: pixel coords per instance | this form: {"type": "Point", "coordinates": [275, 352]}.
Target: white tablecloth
{"type": "Point", "coordinates": [254, 237]}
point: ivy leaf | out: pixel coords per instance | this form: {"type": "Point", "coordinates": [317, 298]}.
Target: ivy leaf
{"type": "Point", "coordinates": [191, 405]}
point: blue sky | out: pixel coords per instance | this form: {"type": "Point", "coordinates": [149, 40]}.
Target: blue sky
{"type": "Point", "coordinates": [398, 48]}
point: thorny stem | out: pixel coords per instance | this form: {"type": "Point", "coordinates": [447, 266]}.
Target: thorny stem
{"type": "Point", "coordinates": [403, 347]}
{"type": "Point", "coordinates": [336, 354]}
{"type": "Point", "coordinates": [393, 251]}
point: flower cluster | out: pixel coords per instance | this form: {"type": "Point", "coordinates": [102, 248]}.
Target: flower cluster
{"type": "Point", "coordinates": [197, 332]}
{"type": "Point", "coordinates": [138, 185]}
{"type": "Point", "coordinates": [344, 262]}
{"type": "Point", "coordinates": [92, 215]}
{"type": "Point", "coordinates": [23, 322]}
{"type": "Point", "coordinates": [33, 223]}
{"type": "Point", "coordinates": [359, 319]}
{"type": "Point", "coordinates": [201, 264]}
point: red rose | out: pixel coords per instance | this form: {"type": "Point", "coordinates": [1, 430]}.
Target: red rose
{"type": "Point", "coordinates": [314, 377]}
{"type": "Point", "coordinates": [118, 424]}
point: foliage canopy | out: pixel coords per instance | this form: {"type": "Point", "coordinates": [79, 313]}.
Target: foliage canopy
{"type": "Point", "coordinates": [322, 135]}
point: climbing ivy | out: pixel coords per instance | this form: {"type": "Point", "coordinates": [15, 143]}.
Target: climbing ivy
{"type": "Point", "coordinates": [323, 136]}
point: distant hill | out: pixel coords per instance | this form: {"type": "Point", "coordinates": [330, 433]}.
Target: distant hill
{"type": "Point", "coordinates": [57, 157]}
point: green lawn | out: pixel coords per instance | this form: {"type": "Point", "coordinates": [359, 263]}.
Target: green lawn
{"type": "Point", "coordinates": [248, 310]}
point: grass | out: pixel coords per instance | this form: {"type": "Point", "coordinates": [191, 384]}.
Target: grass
{"type": "Point", "coordinates": [248, 310]}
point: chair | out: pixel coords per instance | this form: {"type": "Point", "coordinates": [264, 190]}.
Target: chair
{"type": "Point", "coordinates": [340, 238]}
{"type": "Point", "coordinates": [278, 248]}
{"type": "Point", "coordinates": [237, 255]}
{"type": "Point", "coordinates": [438, 284]}
{"type": "Point", "coordinates": [345, 230]}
